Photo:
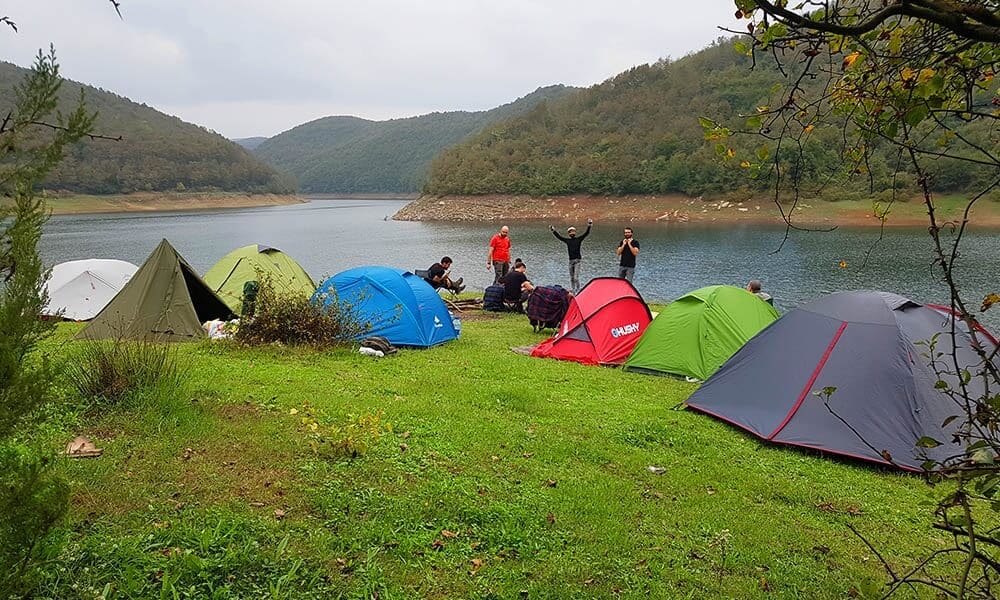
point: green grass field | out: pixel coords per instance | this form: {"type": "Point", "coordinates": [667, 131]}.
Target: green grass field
{"type": "Point", "coordinates": [504, 476]}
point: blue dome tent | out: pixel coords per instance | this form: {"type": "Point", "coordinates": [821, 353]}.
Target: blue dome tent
{"type": "Point", "coordinates": [396, 304]}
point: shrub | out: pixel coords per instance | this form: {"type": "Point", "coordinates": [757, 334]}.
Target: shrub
{"type": "Point", "coordinates": [33, 501]}
{"type": "Point", "coordinates": [295, 320]}
{"type": "Point", "coordinates": [116, 369]}
{"type": "Point", "coordinates": [349, 440]}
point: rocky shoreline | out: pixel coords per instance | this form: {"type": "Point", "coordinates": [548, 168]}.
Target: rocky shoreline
{"type": "Point", "coordinates": [675, 209]}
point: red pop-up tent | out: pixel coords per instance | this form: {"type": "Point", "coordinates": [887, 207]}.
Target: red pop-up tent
{"type": "Point", "coordinates": [601, 326]}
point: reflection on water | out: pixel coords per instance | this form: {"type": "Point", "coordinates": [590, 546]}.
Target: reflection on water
{"type": "Point", "coordinates": [327, 236]}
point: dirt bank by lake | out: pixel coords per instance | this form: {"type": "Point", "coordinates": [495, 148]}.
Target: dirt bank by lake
{"type": "Point", "coordinates": [164, 201]}
{"type": "Point", "coordinates": [683, 209]}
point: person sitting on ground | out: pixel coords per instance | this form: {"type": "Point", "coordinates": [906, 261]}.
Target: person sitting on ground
{"type": "Point", "coordinates": [754, 287]}
{"type": "Point", "coordinates": [437, 276]}
{"type": "Point", "coordinates": [516, 287]}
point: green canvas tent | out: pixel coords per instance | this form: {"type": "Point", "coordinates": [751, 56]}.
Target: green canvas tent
{"type": "Point", "coordinates": [165, 301]}
{"type": "Point", "coordinates": [699, 331]}
{"type": "Point", "coordinates": [235, 269]}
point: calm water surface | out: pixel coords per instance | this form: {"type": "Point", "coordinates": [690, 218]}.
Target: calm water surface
{"type": "Point", "coordinates": [327, 236]}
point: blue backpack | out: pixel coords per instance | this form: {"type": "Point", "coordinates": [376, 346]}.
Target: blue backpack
{"type": "Point", "coordinates": [493, 298]}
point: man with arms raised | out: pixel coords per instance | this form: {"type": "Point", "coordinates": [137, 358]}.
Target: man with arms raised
{"type": "Point", "coordinates": [628, 249]}
{"type": "Point", "coordinates": [573, 246]}
{"type": "Point", "coordinates": [498, 255]}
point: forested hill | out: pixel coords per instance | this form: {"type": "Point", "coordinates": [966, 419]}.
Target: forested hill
{"type": "Point", "coordinates": [348, 154]}
{"type": "Point", "coordinates": [158, 152]}
{"type": "Point", "coordinates": [639, 133]}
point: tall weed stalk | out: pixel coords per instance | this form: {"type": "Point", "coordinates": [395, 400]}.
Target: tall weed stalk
{"type": "Point", "coordinates": [114, 370]}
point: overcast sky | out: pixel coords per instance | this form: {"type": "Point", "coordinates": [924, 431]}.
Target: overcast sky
{"type": "Point", "coordinates": [259, 67]}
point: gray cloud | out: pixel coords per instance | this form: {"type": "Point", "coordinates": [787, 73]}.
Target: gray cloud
{"type": "Point", "coordinates": [258, 67]}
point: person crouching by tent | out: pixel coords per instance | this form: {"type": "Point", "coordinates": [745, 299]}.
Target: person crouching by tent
{"type": "Point", "coordinates": [573, 246]}
{"type": "Point", "coordinates": [437, 276]}
{"type": "Point", "coordinates": [516, 286]}
{"type": "Point", "coordinates": [754, 287]}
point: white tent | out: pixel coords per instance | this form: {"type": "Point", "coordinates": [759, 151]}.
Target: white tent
{"type": "Point", "coordinates": [79, 289]}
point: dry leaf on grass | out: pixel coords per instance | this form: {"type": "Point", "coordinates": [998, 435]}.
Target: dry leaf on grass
{"type": "Point", "coordinates": [82, 447]}
{"type": "Point", "coordinates": [476, 563]}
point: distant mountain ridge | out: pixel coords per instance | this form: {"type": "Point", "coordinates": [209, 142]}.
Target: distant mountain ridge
{"type": "Point", "coordinates": [639, 133]}
{"type": "Point", "coordinates": [158, 152]}
{"type": "Point", "coordinates": [250, 142]}
{"type": "Point", "coordinates": [354, 155]}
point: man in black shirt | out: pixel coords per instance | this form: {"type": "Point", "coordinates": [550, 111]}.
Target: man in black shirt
{"type": "Point", "coordinates": [573, 246]}
{"type": "Point", "coordinates": [516, 287]}
{"type": "Point", "coordinates": [628, 249]}
{"type": "Point", "coordinates": [437, 276]}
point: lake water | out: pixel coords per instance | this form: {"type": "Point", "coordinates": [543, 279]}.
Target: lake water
{"type": "Point", "coordinates": [327, 236]}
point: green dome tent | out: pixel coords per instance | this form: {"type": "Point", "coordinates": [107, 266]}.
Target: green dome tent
{"type": "Point", "coordinates": [699, 331]}
{"type": "Point", "coordinates": [228, 276]}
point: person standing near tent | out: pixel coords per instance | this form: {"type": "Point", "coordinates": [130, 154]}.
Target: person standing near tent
{"type": "Point", "coordinates": [573, 246]}
{"type": "Point", "coordinates": [628, 249]}
{"type": "Point", "coordinates": [498, 255]}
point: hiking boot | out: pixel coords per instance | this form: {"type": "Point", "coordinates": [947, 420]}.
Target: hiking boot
{"type": "Point", "coordinates": [459, 289]}
{"type": "Point", "coordinates": [459, 282]}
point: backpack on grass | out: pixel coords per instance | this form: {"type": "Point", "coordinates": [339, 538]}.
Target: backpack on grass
{"type": "Point", "coordinates": [493, 298]}
{"type": "Point", "coordinates": [377, 342]}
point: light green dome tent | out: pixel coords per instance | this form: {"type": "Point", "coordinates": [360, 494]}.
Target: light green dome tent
{"type": "Point", "coordinates": [229, 275]}
{"type": "Point", "coordinates": [699, 331]}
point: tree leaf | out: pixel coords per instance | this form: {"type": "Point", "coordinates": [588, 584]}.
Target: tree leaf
{"type": "Point", "coordinates": [850, 59]}
{"type": "Point", "coordinates": [916, 114]}
{"type": "Point", "coordinates": [927, 442]}
{"type": "Point", "coordinates": [983, 456]}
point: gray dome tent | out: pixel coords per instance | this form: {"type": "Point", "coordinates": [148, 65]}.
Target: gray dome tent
{"type": "Point", "coordinates": [865, 345]}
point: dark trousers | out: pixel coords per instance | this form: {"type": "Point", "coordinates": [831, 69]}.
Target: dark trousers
{"type": "Point", "coordinates": [500, 270]}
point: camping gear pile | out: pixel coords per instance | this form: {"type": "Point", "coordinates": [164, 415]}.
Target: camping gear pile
{"type": "Point", "coordinates": [547, 306]}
